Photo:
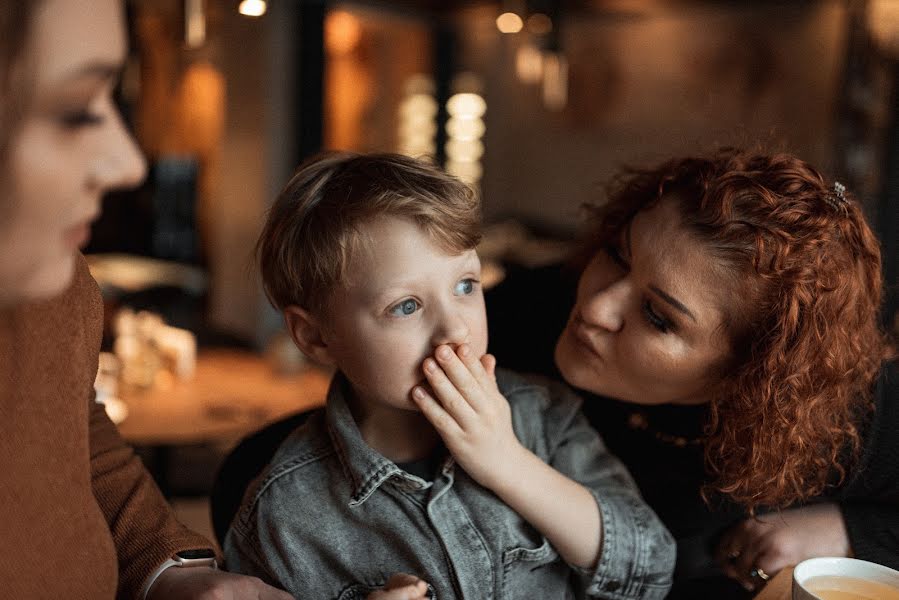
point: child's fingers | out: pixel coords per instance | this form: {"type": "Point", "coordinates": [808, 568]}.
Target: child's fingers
{"type": "Point", "coordinates": [447, 393]}
{"type": "Point", "coordinates": [475, 367]}
{"type": "Point", "coordinates": [408, 583]}
{"type": "Point", "coordinates": [416, 591]}
{"type": "Point", "coordinates": [442, 421]}
{"type": "Point", "coordinates": [488, 361]}
{"type": "Point", "coordinates": [459, 373]}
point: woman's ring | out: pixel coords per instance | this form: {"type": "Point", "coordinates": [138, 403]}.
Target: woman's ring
{"type": "Point", "coordinates": [757, 572]}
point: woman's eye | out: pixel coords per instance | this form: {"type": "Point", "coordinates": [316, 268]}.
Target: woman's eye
{"type": "Point", "coordinates": [655, 319]}
{"type": "Point", "coordinates": [465, 287]}
{"type": "Point", "coordinates": [616, 257]}
{"type": "Point", "coordinates": [80, 118]}
{"type": "Point", "coordinates": [405, 308]}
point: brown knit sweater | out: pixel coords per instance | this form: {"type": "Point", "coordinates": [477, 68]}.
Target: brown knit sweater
{"type": "Point", "coordinates": [80, 517]}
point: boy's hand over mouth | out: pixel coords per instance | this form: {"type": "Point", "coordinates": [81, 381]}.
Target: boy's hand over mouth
{"type": "Point", "coordinates": [475, 422]}
{"type": "Point", "coordinates": [469, 412]}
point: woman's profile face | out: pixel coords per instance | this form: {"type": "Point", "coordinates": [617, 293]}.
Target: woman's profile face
{"type": "Point", "coordinates": [647, 324]}
{"type": "Point", "coordinates": [70, 146]}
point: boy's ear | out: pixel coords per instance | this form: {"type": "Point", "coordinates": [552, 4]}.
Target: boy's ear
{"type": "Point", "coordinates": [306, 331]}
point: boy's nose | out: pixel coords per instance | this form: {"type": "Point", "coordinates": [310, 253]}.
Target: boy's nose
{"type": "Point", "coordinates": [606, 308]}
{"type": "Point", "coordinates": [451, 330]}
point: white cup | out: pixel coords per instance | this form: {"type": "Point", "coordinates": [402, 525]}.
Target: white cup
{"type": "Point", "coordinates": [840, 567]}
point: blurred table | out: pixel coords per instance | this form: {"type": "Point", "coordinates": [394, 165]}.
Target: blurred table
{"type": "Point", "coordinates": [232, 394]}
{"type": "Point", "coordinates": [779, 588]}
{"type": "Point", "coordinates": [122, 273]}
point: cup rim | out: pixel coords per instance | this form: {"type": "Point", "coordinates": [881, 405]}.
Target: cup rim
{"type": "Point", "coordinates": [814, 567]}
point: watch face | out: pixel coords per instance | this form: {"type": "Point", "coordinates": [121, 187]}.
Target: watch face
{"type": "Point", "coordinates": [196, 553]}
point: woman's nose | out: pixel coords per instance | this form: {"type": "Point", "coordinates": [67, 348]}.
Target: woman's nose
{"type": "Point", "coordinates": [606, 308]}
{"type": "Point", "coordinates": [120, 163]}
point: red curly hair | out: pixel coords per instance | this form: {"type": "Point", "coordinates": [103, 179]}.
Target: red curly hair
{"type": "Point", "coordinates": [784, 421]}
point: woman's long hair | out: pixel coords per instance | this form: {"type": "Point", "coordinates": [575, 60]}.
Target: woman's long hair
{"type": "Point", "coordinates": [16, 18]}
{"type": "Point", "coordinates": [805, 273]}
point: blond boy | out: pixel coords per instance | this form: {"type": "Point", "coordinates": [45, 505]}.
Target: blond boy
{"type": "Point", "coordinates": [426, 462]}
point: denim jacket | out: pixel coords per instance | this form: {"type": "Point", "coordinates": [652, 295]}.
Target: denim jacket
{"type": "Point", "coordinates": [332, 518]}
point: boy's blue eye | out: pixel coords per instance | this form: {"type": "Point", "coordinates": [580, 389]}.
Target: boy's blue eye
{"type": "Point", "coordinates": [465, 287]}
{"type": "Point", "coordinates": [405, 308]}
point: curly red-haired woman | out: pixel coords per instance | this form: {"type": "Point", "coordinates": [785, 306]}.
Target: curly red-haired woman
{"type": "Point", "coordinates": [725, 334]}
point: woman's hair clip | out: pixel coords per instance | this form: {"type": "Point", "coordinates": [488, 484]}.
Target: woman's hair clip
{"type": "Point", "coordinates": [837, 198]}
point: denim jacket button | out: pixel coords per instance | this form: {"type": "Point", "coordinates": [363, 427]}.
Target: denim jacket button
{"type": "Point", "coordinates": [611, 586]}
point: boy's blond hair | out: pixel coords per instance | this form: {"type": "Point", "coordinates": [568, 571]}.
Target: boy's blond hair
{"type": "Point", "coordinates": [314, 224]}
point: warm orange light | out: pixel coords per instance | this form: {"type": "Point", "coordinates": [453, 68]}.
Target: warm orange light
{"type": "Point", "coordinates": [464, 150]}
{"type": "Point", "coordinates": [194, 23]}
{"type": "Point", "coordinates": [509, 22]}
{"type": "Point", "coordinates": [417, 118]}
{"type": "Point", "coordinates": [529, 63]}
{"type": "Point", "coordinates": [469, 172]}
{"type": "Point", "coordinates": [883, 22]}
{"type": "Point", "coordinates": [343, 31]}
{"type": "Point", "coordinates": [555, 81]}
{"type": "Point", "coordinates": [466, 105]}
{"type": "Point", "coordinates": [252, 8]}
{"type": "Point", "coordinates": [465, 128]}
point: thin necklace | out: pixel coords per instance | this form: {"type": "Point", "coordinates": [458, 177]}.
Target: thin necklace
{"type": "Point", "coordinates": [638, 421]}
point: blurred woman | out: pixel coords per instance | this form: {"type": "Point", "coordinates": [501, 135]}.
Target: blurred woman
{"type": "Point", "coordinates": [725, 335]}
{"type": "Point", "coordinates": [81, 516]}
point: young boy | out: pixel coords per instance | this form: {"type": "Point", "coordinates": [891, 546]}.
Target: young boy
{"type": "Point", "coordinates": [425, 461]}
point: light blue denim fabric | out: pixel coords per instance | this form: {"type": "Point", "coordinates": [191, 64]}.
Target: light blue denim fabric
{"type": "Point", "coordinates": [332, 518]}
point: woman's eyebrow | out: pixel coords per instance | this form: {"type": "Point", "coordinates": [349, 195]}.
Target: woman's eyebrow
{"type": "Point", "coordinates": [673, 302]}
{"type": "Point", "coordinates": [98, 69]}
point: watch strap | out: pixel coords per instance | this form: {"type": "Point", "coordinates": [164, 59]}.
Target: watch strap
{"type": "Point", "coordinates": [174, 561]}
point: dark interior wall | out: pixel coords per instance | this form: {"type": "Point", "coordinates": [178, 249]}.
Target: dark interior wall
{"type": "Point", "coordinates": [646, 87]}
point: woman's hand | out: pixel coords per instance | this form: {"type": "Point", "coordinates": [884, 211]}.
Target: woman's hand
{"type": "Point", "coordinates": [469, 413]}
{"type": "Point", "coordinates": [401, 586]}
{"type": "Point", "coordinates": [777, 540]}
{"type": "Point", "coordinates": [200, 583]}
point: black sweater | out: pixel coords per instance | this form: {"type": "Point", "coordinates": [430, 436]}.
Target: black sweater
{"type": "Point", "coordinates": [528, 311]}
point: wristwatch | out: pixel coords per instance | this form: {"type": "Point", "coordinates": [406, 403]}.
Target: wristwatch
{"type": "Point", "coordinates": [196, 557]}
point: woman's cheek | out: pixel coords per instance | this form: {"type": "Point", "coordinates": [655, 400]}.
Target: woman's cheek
{"type": "Point", "coordinates": [642, 358]}
{"type": "Point", "coordinates": [667, 369]}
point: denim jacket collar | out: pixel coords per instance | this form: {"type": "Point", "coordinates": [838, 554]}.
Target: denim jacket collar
{"type": "Point", "coordinates": [366, 468]}
{"type": "Point", "coordinates": [461, 535]}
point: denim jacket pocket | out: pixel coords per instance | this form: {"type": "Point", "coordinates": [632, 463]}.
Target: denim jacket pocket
{"type": "Point", "coordinates": [529, 571]}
